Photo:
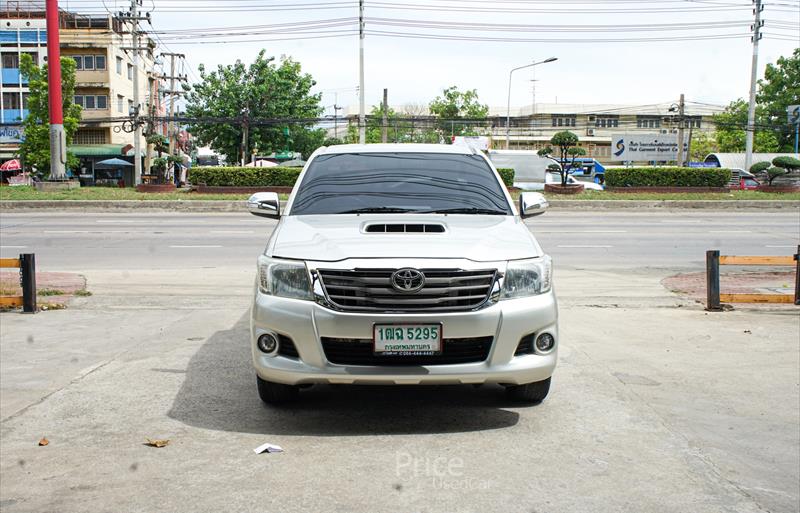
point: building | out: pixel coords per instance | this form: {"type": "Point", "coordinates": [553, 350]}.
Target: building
{"type": "Point", "coordinates": [18, 36]}
{"type": "Point", "coordinates": [100, 46]}
{"type": "Point", "coordinates": [104, 79]}
{"type": "Point", "coordinates": [532, 127]}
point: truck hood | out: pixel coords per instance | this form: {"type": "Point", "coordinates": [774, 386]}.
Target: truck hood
{"type": "Point", "coordinates": [331, 238]}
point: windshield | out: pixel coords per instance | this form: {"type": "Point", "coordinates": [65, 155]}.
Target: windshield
{"type": "Point", "coordinates": [349, 183]}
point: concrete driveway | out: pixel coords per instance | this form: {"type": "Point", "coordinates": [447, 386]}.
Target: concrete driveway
{"type": "Point", "coordinates": [656, 406]}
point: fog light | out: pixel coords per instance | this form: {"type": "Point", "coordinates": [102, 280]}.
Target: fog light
{"type": "Point", "coordinates": [545, 342]}
{"type": "Point", "coordinates": [268, 343]}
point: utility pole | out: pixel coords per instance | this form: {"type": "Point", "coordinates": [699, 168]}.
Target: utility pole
{"type": "Point", "coordinates": [681, 109]}
{"type": "Point", "coordinates": [172, 133]}
{"type": "Point", "coordinates": [751, 110]}
{"type": "Point", "coordinates": [336, 109]}
{"type": "Point", "coordinates": [385, 111]}
{"type": "Point", "coordinates": [137, 132]}
{"type": "Point", "coordinates": [362, 120]}
{"type": "Point", "coordinates": [58, 143]}
{"type": "Point", "coordinates": [133, 18]}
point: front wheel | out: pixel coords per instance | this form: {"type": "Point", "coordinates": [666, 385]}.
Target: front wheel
{"type": "Point", "coordinates": [276, 393]}
{"type": "Point", "coordinates": [530, 392]}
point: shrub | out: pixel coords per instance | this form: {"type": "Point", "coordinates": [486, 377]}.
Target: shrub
{"type": "Point", "coordinates": [667, 177]}
{"type": "Point", "coordinates": [759, 167]}
{"type": "Point", "coordinates": [507, 174]}
{"type": "Point", "coordinates": [244, 176]}
{"type": "Point", "coordinates": [786, 162]}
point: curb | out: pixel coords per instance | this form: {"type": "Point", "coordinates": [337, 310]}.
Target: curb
{"type": "Point", "coordinates": [239, 206]}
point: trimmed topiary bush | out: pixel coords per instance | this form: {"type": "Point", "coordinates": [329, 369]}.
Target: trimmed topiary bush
{"type": "Point", "coordinates": [507, 174]}
{"type": "Point", "coordinates": [667, 177]}
{"type": "Point", "coordinates": [244, 176]}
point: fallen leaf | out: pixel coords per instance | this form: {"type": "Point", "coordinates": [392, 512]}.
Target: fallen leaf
{"type": "Point", "coordinates": [44, 441]}
{"type": "Point", "coordinates": [156, 443]}
{"type": "Point", "coordinates": [748, 331]}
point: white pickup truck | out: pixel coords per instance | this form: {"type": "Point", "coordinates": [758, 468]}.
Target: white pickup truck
{"type": "Point", "coordinates": [402, 264]}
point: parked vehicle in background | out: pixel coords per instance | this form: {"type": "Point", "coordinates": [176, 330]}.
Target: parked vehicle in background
{"type": "Point", "coordinates": [743, 180]}
{"type": "Point", "coordinates": [529, 168]}
{"type": "Point", "coordinates": [551, 177]}
{"type": "Point", "coordinates": [590, 170]}
{"type": "Point", "coordinates": [402, 264]}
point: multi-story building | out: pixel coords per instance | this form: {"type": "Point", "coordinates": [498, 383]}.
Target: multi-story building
{"type": "Point", "coordinates": [104, 77]}
{"type": "Point", "coordinates": [104, 80]}
{"type": "Point", "coordinates": [18, 36]}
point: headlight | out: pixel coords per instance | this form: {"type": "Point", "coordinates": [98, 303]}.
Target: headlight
{"type": "Point", "coordinates": [527, 277]}
{"type": "Point", "coordinates": [283, 278]}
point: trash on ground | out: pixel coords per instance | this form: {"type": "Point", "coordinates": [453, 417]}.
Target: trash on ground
{"type": "Point", "coordinates": [156, 443]}
{"type": "Point", "coordinates": [44, 441]}
{"type": "Point", "coordinates": [267, 448]}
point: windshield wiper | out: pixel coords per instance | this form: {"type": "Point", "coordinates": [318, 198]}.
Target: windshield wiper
{"type": "Point", "coordinates": [470, 210]}
{"type": "Point", "coordinates": [377, 210]}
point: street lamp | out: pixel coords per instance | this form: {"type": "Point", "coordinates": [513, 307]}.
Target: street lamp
{"type": "Point", "coordinates": [508, 108]}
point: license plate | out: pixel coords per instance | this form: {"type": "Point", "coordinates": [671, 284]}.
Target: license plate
{"type": "Point", "coordinates": [407, 339]}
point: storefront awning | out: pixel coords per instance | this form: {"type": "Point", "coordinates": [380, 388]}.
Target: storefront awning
{"type": "Point", "coordinates": [96, 150]}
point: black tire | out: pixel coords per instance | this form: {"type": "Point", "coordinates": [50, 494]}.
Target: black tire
{"type": "Point", "coordinates": [276, 393]}
{"type": "Point", "coordinates": [531, 392]}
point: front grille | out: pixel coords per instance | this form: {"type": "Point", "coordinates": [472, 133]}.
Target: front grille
{"type": "Point", "coordinates": [286, 347]}
{"type": "Point", "coordinates": [371, 290]}
{"type": "Point", "coordinates": [356, 351]}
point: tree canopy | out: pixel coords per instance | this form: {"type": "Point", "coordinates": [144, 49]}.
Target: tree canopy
{"type": "Point", "coordinates": [254, 95]}
{"type": "Point", "coordinates": [779, 88]}
{"type": "Point", "coordinates": [453, 105]}
{"type": "Point", "coordinates": [35, 148]}
{"type": "Point", "coordinates": [565, 140]}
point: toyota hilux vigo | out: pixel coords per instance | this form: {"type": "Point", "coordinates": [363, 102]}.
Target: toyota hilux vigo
{"type": "Point", "coordinates": [402, 264]}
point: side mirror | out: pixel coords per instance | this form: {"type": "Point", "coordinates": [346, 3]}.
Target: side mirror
{"type": "Point", "coordinates": [532, 204]}
{"type": "Point", "coordinates": [265, 204]}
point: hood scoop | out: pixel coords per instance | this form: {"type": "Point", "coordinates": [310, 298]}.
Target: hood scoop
{"type": "Point", "coordinates": [403, 228]}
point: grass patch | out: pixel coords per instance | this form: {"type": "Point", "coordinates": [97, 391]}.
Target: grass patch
{"type": "Point", "coordinates": [9, 292]}
{"type": "Point", "coordinates": [82, 293]}
{"type": "Point", "coordinates": [25, 193]}
{"type": "Point", "coordinates": [50, 292]}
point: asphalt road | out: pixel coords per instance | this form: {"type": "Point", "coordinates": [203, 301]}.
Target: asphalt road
{"type": "Point", "coordinates": [576, 240]}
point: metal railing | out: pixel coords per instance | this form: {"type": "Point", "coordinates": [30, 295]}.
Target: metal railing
{"type": "Point", "coordinates": [27, 279]}
{"type": "Point", "coordinates": [713, 296]}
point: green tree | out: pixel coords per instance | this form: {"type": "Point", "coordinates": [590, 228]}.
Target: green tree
{"type": "Point", "coordinates": [254, 94]}
{"type": "Point", "coordinates": [780, 88]}
{"type": "Point", "coordinates": [454, 105]}
{"type": "Point", "coordinates": [702, 146]}
{"type": "Point", "coordinates": [575, 152]}
{"type": "Point", "coordinates": [564, 140]}
{"type": "Point", "coordinates": [399, 129]}
{"type": "Point", "coordinates": [730, 134]}
{"type": "Point", "coordinates": [759, 167]}
{"type": "Point", "coordinates": [35, 149]}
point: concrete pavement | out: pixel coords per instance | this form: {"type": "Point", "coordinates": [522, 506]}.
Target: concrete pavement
{"type": "Point", "coordinates": [656, 405]}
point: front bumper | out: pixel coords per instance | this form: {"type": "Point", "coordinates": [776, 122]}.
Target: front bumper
{"type": "Point", "coordinates": [306, 322]}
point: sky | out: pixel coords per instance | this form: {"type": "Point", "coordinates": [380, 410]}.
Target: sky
{"type": "Point", "coordinates": [590, 67]}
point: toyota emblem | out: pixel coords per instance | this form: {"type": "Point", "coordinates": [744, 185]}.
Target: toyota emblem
{"type": "Point", "coordinates": [408, 280]}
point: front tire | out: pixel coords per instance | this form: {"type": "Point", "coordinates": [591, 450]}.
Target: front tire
{"type": "Point", "coordinates": [530, 392]}
{"type": "Point", "coordinates": [276, 393]}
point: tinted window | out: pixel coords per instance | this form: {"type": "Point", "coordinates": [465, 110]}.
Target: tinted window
{"type": "Point", "coordinates": [399, 182]}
